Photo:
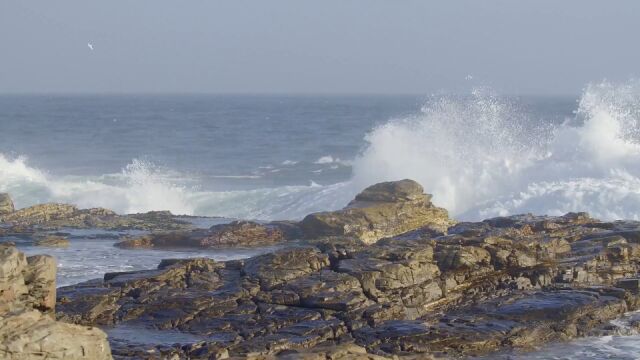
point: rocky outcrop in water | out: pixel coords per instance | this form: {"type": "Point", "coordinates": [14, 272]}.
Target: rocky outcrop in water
{"type": "Point", "coordinates": [382, 210]}
{"type": "Point", "coordinates": [504, 283]}
{"type": "Point", "coordinates": [55, 216]}
{"type": "Point", "coordinates": [6, 204]}
{"type": "Point", "coordinates": [234, 234]}
{"type": "Point", "coordinates": [27, 302]}
{"type": "Point", "coordinates": [52, 241]}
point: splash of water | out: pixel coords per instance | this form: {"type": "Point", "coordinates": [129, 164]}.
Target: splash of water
{"type": "Point", "coordinates": [481, 156]}
{"type": "Point", "coordinates": [463, 150]}
{"type": "Point", "coordinates": [143, 186]}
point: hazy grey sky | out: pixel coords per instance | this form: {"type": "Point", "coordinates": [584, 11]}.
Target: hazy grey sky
{"type": "Point", "coordinates": [329, 46]}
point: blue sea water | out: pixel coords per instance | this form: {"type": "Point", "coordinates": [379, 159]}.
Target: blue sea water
{"type": "Point", "coordinates": [282, 157]}
{"type": "Point", "coordinates": [267, 157]}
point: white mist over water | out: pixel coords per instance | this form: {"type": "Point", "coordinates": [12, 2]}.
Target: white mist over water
{"type": "Point", "coordinates": [480, 156]}
{"type": "Point", "coordinates": [143, 186]}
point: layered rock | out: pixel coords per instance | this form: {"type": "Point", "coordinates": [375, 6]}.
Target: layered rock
{"type": "Point", "coordinates": [382, 210]}
{"type": "Point", "coordinates": [53, 216]}
{"type": "Point", "coordinates": [27, 326]}
{"type": "Point", "coordinates": [512, 282]}
{"type": "Point", "coordinates": [6, 204]}
{"type": "Point", "coordinates": [234, 234]}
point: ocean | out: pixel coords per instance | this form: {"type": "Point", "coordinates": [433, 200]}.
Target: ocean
{"type": "Point", "coordinates": [261, 157]}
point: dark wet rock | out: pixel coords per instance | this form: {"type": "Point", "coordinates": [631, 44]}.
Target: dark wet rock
{"type": "Point", "coordinates": [503, 283]}
{"type": "Point", "coordinates": [27, 301]}
{"type": "Point", "coordinates": [6, 204]}
{"type": "Point", "coordinates": [271, 270]}
{"type": "Point", "coordinates": [522, 320]}
{"type": "Point", "coordinates": [382, 210]}
{"type": "Point", "coordinates": [477, 288]}
{"type": "Point", "coordinates": [234, 234]}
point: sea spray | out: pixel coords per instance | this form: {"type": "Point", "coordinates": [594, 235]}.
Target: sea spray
{"type": "Point", "coordinates": [464, 150]}
{"type": "Point", "coordinates": [144, 186]}
{"type": "Point", "coordinates": [481, 155]}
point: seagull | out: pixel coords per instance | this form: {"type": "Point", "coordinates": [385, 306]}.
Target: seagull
{"type": "Point", "coordinates": [468, 77]}
{"type": "Point", "coordinates": [90, 45]}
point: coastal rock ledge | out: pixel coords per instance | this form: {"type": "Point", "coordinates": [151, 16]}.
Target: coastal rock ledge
{"type": "Point", "coordinates": [28, 329]}
{"type": "Point", "coordinates": [381, 210]}
{"type": "Point", "coordinates": [377, 284]}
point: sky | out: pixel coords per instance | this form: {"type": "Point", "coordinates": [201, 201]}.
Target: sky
{"type": "Point", "coordinates": [316, 47]}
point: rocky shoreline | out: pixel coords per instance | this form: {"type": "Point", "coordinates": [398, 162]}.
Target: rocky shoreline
{"type": "Point", "coordinates": [389, 276]}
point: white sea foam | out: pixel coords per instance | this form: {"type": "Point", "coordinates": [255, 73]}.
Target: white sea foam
{"type": "Point", "coordinates": [143, 186]}
{"type": "Point", "coordinates": [480, 156]}
{"type": "Point", "coordinates": [329, 159]}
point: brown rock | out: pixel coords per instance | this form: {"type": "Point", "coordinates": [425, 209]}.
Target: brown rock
{"type": "Point", "coordinates": [6, 204]}
{"type": "Point", "coordinates": [234, 234]}
{"type": "Point", "coordinates": [53, 241]}
{"type": "Point", "coordinates": [31, 335]}
{"type": "Point", "coordinates": [27, 326]}
{"type": "Point", "coordinates": [242, 233]}
{"type": "Point", "coordinates": [381, 210]}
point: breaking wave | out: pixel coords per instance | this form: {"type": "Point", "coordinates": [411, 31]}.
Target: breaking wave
{"type": "Point", "coordinates": [143, 186]}
{"type": "Point", "coordinates": [480, 156]}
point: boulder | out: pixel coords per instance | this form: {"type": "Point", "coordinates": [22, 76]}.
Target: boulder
{"type": "Point", "coordinates": [32, 335]}
{"type": "Point", "coordinates": [6, 204]}
{"type": "Point", "coordinates": [28, 329]}
{"type": "Point", "coordinates": [382, 210]}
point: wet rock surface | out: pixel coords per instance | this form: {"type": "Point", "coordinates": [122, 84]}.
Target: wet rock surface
{"type": "Point", "coordinates": [505, 283]}
{"type": "Point", "coordinates": [381, 210]}
{"type": "Point", "coordinates": [28, 329]}
{"type": "Point", "coordinates": [389, 276]}
{"type": "Point", "coordinates": [234, 234]}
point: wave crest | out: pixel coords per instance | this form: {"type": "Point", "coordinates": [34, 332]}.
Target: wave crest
{"type": "Point", "coordinates": [481, 156]}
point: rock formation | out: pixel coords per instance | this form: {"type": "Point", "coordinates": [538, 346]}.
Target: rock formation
{"type": "Point", "coordinates": [52, 216]}
{"type": "Point", "coordinates": [389, 276]}
{"type": "Point", "coordinates": [382, 210]}
{"type": "Point", "coordinates": [6, 204]}
{"type": "Point", "coordinates": [234, 234]}
{"type": "Point", "coordinates": [504, 283]}
{"type": "Point", "coordinates": [27, 302]}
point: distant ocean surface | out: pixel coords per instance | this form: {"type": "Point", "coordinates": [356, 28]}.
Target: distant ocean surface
{"type": "Point", "coordinates": [281, 157]}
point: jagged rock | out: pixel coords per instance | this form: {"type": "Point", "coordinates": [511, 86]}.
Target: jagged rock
{"type": "Point", "coordinates": [476, 288]}
{"type": "Point", "coordinates": [6, 204]}
{"type": "Point", "coordinates": [55, 216]}
{"type": "Point", "coordinates": [487, 286]}
{"type": "Point", "coordinates": [281, 267]}
{"type": "Point", "coordinates": [523, 320]}
{"type": "Point", "coordinates": [382, 210]}
{"type": "Point", "coordinates": [234, 234]}
{"type": "Point", "coordinates": [32, 335]}
{"type": "Point", "coordinates": [53, 241]}
{"type": "Point", "coordinates": [27, 301]}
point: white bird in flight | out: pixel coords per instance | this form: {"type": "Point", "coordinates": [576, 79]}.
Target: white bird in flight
{"type": "Point", "coordinates": [90, 45]}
